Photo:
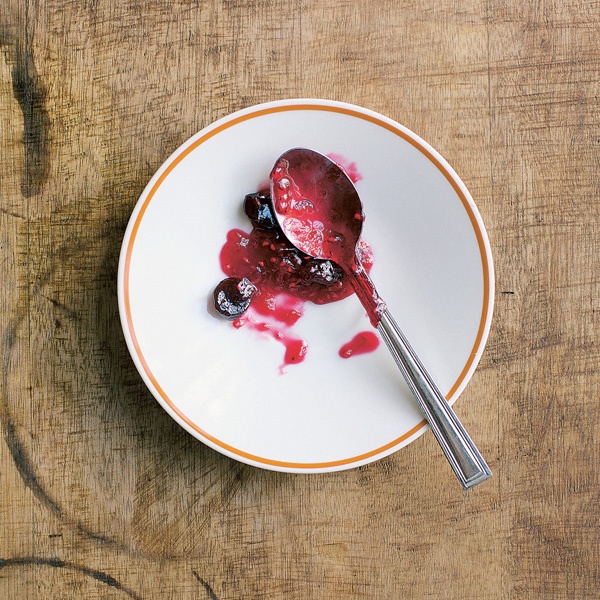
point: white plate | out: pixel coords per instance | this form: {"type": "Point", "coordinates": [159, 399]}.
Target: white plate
{"type": "Point", "coordinates": [433, 266]}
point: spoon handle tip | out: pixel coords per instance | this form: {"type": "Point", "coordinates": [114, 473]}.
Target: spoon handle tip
{"type": "Point", "coordinates": [464, 457]}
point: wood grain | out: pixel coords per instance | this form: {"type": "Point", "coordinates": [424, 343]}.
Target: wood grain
{"type": "Point", "coordinates": [102, 495]}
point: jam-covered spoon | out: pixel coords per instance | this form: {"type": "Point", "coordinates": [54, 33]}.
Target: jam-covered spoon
{"type": "Point", "coordinates": [320, 212]}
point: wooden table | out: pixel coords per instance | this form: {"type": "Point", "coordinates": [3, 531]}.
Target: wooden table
{"type": "Point", "coordinates": [103, 495]}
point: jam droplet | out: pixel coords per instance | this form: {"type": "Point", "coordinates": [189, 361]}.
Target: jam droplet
{"type": "Point", "coordinates": [362, 343]}
{"type": "Point", "coordinates": [295, 351]}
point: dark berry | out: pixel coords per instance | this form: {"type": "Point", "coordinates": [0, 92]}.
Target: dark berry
{"type": "Point", "coordinates": [324, 272]}
{"type": "Point", "coordinates": [258, 209]}
{"type": "Point", "coordinates": [233, 296]}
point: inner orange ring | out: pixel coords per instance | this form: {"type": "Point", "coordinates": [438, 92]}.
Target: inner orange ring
{"type": "Point", "coordinates": [258, 113]}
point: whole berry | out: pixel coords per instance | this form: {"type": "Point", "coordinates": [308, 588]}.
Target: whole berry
{"type": "Point", "coordinates": [257, 207]}
{"type": "Point", "coordinates": [232, 296]}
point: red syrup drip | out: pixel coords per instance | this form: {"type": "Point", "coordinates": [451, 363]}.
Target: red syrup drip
{"type": "Point", "coordinates": [295, 347]}
{"type": "Point", "coordinates": [269, 261]}
{"type": "Point", "coordinates": [361, 343]}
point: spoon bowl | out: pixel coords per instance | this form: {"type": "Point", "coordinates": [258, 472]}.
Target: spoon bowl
{"type": "Point", "coordinates": [320, 212]}
{"type": "Point", "coordinates": [317, 205]}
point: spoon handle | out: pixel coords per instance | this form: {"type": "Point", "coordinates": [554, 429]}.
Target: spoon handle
{"type": "Point", "coordinates": [467, 462]}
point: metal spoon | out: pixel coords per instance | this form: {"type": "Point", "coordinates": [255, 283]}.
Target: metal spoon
{"type": "Point", "coordinates": [320, 212]}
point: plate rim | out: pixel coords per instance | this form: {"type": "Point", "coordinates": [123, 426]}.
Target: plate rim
{"type": "Point", "coordinates": [213, 129]}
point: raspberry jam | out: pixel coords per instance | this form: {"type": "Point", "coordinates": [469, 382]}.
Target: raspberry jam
{"type": "Point", "coordinates": [269, 280]}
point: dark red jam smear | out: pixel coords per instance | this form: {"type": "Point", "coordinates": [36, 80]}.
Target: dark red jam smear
{"type": "Point", "coordinates": [273, 265]}
{"type": "Point", "coordinates": [269, 280]}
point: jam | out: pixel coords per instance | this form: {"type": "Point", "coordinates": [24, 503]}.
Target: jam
{"type": "Point", "coordinates": [268, 281]}
{"type": "Point", "coordinates": [361, 343]}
